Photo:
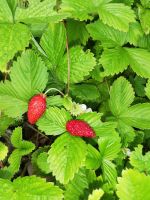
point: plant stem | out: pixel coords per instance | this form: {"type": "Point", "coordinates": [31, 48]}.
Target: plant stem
{"type": "Point", "coordinates": [55, 90]}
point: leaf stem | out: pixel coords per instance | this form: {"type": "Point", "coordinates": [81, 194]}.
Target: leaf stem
{"type": "Point", "coordinates": [50, 89]}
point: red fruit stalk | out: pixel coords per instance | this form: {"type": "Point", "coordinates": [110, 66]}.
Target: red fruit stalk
{"type": "Point", "coordinates": [36, 108]}
{"type": "Point", "coordinates": [79, 128]}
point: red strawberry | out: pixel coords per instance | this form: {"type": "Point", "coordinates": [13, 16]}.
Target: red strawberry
{"type": "Point", "coordinates": [79, 128]}
{"type": "Point", "coordinates": [36, 108]}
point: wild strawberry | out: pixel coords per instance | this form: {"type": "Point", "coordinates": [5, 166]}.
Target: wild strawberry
{"type": "Point", "coordinates": [36, 108]}
{"type": "Point", "coordinates": [79, 128]}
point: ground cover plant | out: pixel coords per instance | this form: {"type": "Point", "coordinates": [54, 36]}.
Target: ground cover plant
{"type": "Point", "coordinates": [74, 99]}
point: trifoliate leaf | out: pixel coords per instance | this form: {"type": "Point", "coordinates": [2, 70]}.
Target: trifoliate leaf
{"type": "Point", "coordinates": [109, 36]}
{"type": "Point", "coordinates": [73, 189]}
{"type": "Point", "coordinates": [38, 12]}
{"type": "Point", "coordinates": [121, 96]}
{"type": "Point", "coordinates": [42, 162]}
{"type": "Point", "coordinates": [14, 38]}
{"type": "Point", "coordinates": [85, 92]}
{"type": "Point", "coordinates": [30, 188]}
{"type": "Point", "coordinates": [96, 194]}
{"type": "Point", "coordinates": [66, 156]}
{"type": "Point", "coordinates": [132, 181]}
{"type": "Point", "coordinates": [81, 63]}
{"type": "Point", "coordinates": [5, 12]}
{"type": "Point", "coordinates": [53, 122]}
{"type": "Point", "coordinates": [117, 15]}
{"type": "Point", "coordinates": [139, 161]}
{"type": "Point", "coordinates": [137, 116]}
{"type": "Point", "coordinates": [3, 151]}
{"type": "Point", "coordinates": [93, 158]}
{"type": "Point", "coordinates": [114, 61]}
{"type": "Point", "coordinates": [77, 32]}
{"type": "Point", "coordinates": [147, 89]}
{"type": "Point", "coordinates": [53, 42]}
{"type": "Point", "coordinates": [139, 60]}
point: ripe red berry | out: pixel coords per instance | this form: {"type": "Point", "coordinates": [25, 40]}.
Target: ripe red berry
{"type": "Point", "coordinates": [79, 128]}
{"type": "Point", "coordinates": [36, 108]}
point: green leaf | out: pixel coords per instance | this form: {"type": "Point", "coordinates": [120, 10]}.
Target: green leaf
{"type": "Point", "coordinates": [24, 147]}
{"type": "Point", "coordinates": [114, 61]}
{"type": "Point", "coordinates": [53, 42]}
{"type": "Point", "coordinates": [139, 60]}
{"type": "Point", "coordinates": [54, 101]}
{"type": "Point", "coordinates": [139, 161]}
{"type": "Point", "coordinates": [105, 129]}
{"type": "Point", "coordinates": [81, 63]}
{"type": "Point", "coordinates": [66, 156]}
{"type": "Point", "coordinates": [3, 151]}
{"type": "Point", "coordinates": [53, 122]}
{"type": "Point", "coordinates": [42, 162]}
{"type": "Point", "coordinates": [109, 172]}
{"type": "Point", "coordinates": [85, 92]}
{"type": "Point", "coordinates": [5, 122]}
{"type": "Point", "coordinates": [5, 12]}
{"type": "Point", "coordinates": [109, 146]}
{"type": "Point", "coordinates": [109, 36]}
{"type": "Point", "coordinates": [77, 32]}
{"type": "Point", "coordinates": [14, 38]}
{"type": "Point", "coordinates": [30, 188]}
{"type": "Point", "coordinates": [96, 194]}
{"type": "Point", "coordinates": [132, 181]}
{"type": "Point", "coordinates": [135, 33]}
{"type": "Point", "coordinates": [38, 12]}
{"type": "Point", "coordinates": [121, 96]}
{"type": "Point", "coordinates": [29, 75]}
{"type": "Point", "coordinates": [93, 158]}
{"type": "Point", "coordinates": [73, 189]}
{"type": "Point", "coordinates": [12, 5]}
{"type": "Point", "coordinates": [144, 15]}
{"type": "Point", "coordinates": [117, 15]}
{"type": "Point", "coordinates": [147, 89]}
{"type": "Point", "coordinates": [137, 116]}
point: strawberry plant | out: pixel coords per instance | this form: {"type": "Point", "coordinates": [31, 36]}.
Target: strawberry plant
{"type": "Point", "coordinates": [74, 99]}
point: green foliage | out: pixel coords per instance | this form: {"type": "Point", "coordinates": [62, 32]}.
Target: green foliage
{"type": "Point", "coordinates": [66, 156]}
{"type": "Point", "coordinates": [96, 194]}
{"type": "Point", "coordinates": [4, 123]}
{"type": "Point", "coordinates": [132, 181]}
{"type": "Point", "coordinates": [29, 188]}
{"type": "Point", "coordinates": [3, 151]}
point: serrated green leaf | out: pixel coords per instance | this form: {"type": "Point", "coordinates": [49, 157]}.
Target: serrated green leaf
{"type": "Point", "coordinates": [105, 129]}
{"type": "Point", "coordinates": [66, 156]}
{"type": "Point", "coordinates": [137, 116]}
{"type": "Point", "coordinates": [5, 122]}
{"type": "Point", "coordinates": [93, 158]}
{"type": "Point", "coordinates": [139, 61]}
{"type": "Point", "coordinates": [144, 42]}
{"type": "Point", "coordinates": [3, 151]}
{"type": "Point", "coordinates": [29, 188]}
{"type": "Point", "coordinates": [54, 101]}
{"type": "Point", "coordinates": [144, 16]}
{"type": "Point", "coordinates": [12, 5]}
{"type": "Point", "coordinates": [5, 12]}
{"type": "Point", "coordinates": [73, 189]}
{"type": "Point", "coordinates": [85, 92]}
{"type": "Point", "coordinates": [38, 12]}
{"type": "Point", "coordinates": [121, 96]}
{"type": "Point", "coordinates": [77, 32]}
{"type": "Point", "coordinates": [114, 61]}
{"type": "Point", "coordinates": [117, 15]}
{"type": "Point", "coordinates": [53, 42]}
{"type": "Point", "coordinates": [109, 146]}
{"type": "Point", "coordinates": [147, 89]}
{"type": "Point", "coordinates": [139, 161]}
{"type": "Point", "coordinates": [42, 162]}
{"type": "Point", "coordinates": [96, 194]}
{"type": "Point", "coordinates": [14, 38]}
{"type": "Point", "coordinates": [132, 181]}
{"type": "Point", "coordinates": [28, 75]}
{"type": "Point", "coordinates": [81, 63]}
{"type": "Point", "coordinates": [53, 122]}
{"type": "Point", "coordinates": [109, 36]}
